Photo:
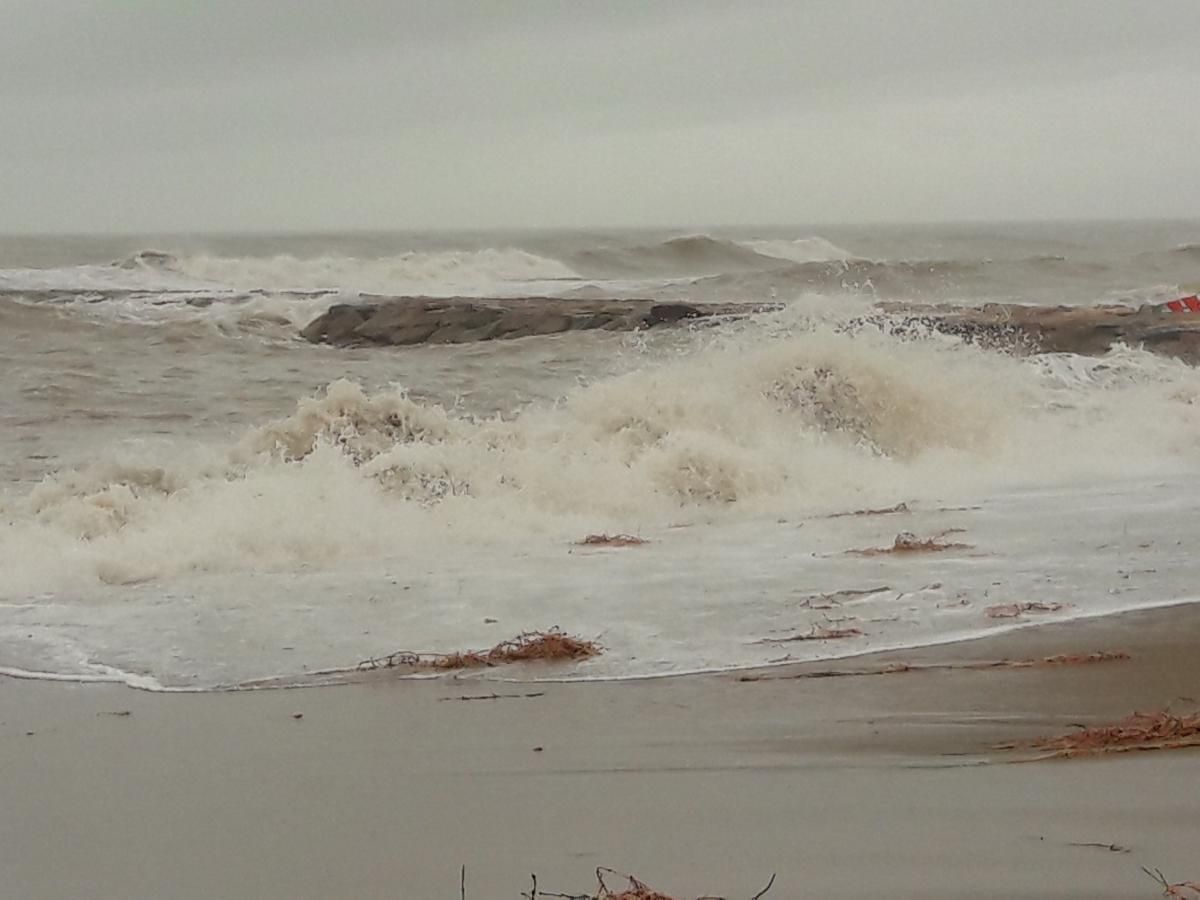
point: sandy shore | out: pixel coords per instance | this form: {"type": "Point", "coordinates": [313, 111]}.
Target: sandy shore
{"type": "Point", "coordinates": [847, 787]}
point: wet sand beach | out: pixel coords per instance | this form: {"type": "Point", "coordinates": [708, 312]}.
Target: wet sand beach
{"type": "Point", "coordinates": [868, 785]}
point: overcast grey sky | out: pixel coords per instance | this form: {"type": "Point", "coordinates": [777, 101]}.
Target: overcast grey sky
{"type": "Point", "coordinates": [127, 115]}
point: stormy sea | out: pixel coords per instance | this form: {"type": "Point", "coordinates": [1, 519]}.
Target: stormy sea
{"type": "Point", "coordinates": [196, 497]}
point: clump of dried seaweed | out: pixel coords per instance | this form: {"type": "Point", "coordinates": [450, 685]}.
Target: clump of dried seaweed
{"type": "Point", "coordinates": [542, 646]}
{"type": "Point", "coordinates": [1160, 730]}
{"type": "Point", "coordinates": [611, 540]}
{"type": "Point", "coordinates": [633, 889]}
{"type": "Point", "coordinates": [906, 542]}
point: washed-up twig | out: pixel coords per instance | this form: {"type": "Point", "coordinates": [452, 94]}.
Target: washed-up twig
{"type": "Point", "coordinates": [544, 646]}
{"type": "Point", "coordinates": [1111, 848]}
{"type": "Point", "coordinates": [633, 890]}
{"type": "Point", "coordinates": [816, 633]}
{"type": "Point", "coordinates": [957, 603]}
{"type": "Point", "coordinates": [821, 603]}
{"type": "Point", "coordinates": [611, 540]}
{"type": "Point", "coordinates": [494, 696]}
{"type": "Point", "coordinates": [1067, 659]}
{"type": "Point", "coordinates": [1186, 890]}
{"type": "Point", "coordinates": [886, 511]}
{"type": "Point", "coordinates": [906, 542]}
{"type": "Point", "coordinates": [534, 893]}
{"type": "Point", "coordinates": [837, 598]}
{"type": "Point", "coordinates": [837, 620]}
{"type": "Point", "coordinates": [1160, 730]}
{"type": "Point", "coordinates": [1073, 659]}
{"type": "Point", "coordinates": [1015, 610]}
{"type": "Point", "coordinates": [853, 593]}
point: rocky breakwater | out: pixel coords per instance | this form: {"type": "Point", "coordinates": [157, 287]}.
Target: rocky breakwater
{"type": "Point", "coordinates": [458, 320]}
{"type": "Point", "coordinates": [1090, 330]}
{"type": "Point", "coordinates": [1086, 330]}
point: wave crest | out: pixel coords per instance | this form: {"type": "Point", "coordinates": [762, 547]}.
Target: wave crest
{"type": "Point", "coordinates": [814, 418]}
{"type": "Point", "coordinates": [151, 260]}
{"type": "Point", "coordinates": [432, 273]}
{"type": "Point", "coordinates": [700, 254]}
{"type": "Point", "coordinates": [912, 278]}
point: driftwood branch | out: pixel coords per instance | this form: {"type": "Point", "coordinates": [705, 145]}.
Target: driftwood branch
{"type": "Point", "coordinates": [634, 889]}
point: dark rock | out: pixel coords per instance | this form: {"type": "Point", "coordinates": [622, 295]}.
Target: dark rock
{"type": "Point", "coordinates": [1180, 342]}
{"type": "Point", "coordinates": [337, 325]}
{"type": "Point", "coordinates": [671, 312]}
{"type": "Point", "coordinates": [455, 320]}
{"type": "Point", "coordinates": [1088, 330]}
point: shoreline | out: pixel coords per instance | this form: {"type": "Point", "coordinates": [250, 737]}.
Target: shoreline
{"type": "Point", "coordinates": [880, 785]}
{"type": "Point", "coordinates": [529, 673]}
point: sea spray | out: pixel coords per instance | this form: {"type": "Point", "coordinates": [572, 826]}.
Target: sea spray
{"type": "Point", "coordinates": [738, 428]}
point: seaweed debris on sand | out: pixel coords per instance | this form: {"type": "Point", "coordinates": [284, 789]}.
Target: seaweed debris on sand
{"type": "Point", "coordinates": [1161, 730]}
{"type": "Point", "coordinates": [541, 646]}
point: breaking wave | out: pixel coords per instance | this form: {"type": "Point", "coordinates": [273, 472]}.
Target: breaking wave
{"type": "Point", "coordinates": [700, 255]}
{"type": "Point", "coordinates": [777, 417]}
{"type": "Point", "coordinates": [433, 273]}
{"type": "Point", "coordinates": [154, 260]}
{"type": "Point", "coordinates": [1008, 279]}
{"type": "Point", "coordinates": [275, 296]}
{"type": "Point", "coordinates": [238, 294]}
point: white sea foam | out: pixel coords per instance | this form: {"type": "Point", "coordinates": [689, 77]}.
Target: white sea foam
{"type": "Point", "coordinates": [83, 279]}
{"type": "Point", "coordinates": [249, 293]}
{"type": "Point", "coordinates": [442, 273]}
{"type": "Point", "coordinates": [782, 418]}
{"type": "Point", "coordinates": [235, 520]}
{"type": "Point", "coordinates": [801, 250]}
{"type": "Point", "coordinates": [814, 420]}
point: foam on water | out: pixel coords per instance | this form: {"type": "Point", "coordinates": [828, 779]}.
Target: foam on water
{"type": "Point", "coordinates": [366, 521]}
{"type": "Point", "coordinates": [222, 509]}
{"type": "Point", "coordinates": [252, 294]}
{"type": "Point", "coordinates": [800, 250]}
{"type": "Point", "coordinates": [444, 273]}
{"type": "Point", "coordinates": [92, 278]}
{"type": "Point", "coordinates": [701, 254]}
{"type": "Point", "coordinates": [255, 285]}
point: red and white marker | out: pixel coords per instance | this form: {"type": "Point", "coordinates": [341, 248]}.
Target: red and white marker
{"type": "Point", "coordinates": [1185, 304]}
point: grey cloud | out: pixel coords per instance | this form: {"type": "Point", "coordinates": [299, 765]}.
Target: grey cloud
{"type": "Point", "coordinates": [429, 114]}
